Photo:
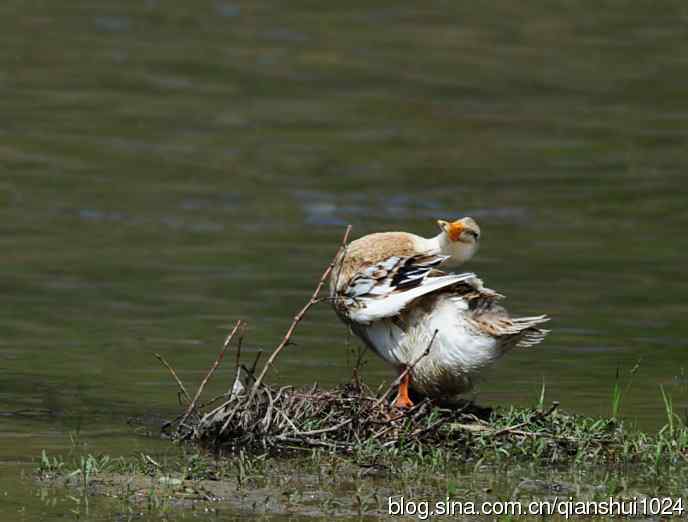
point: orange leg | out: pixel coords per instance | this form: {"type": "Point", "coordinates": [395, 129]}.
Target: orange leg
{"type": "Point", "coordinates": [403, 401]}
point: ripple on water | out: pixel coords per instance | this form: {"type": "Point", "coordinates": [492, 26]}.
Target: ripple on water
{"type": "Point", "coordinates": [173, 222]}
{"type": "Point", "coordinates": [112, 24]}
{"type": "Point", "coordinates": [227, 10]}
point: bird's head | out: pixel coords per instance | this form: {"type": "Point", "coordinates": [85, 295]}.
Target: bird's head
{"type": "Point", "coordinates": [459, 239]}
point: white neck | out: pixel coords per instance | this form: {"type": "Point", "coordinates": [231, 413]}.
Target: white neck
{"type": "Point", "coordinates": [458, 251]}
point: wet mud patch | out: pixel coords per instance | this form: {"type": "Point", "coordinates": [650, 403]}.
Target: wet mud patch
{"type": "Point", "coordinates": [325, 485]}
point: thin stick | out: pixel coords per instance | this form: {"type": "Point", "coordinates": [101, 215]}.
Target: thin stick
{"type": "Point", "coordinates": [342, 249]}
{"type": "Point", "coordinates": [238, 353]}
{"type": "Point", "coordinates": [212, 370]}
{"type": "Point", "coordinates": [174, 374]}
{"type": "Point", "coordinates": [237, 368]}
{"type": "Point", "coordinates": [541, 434]}
{"type": "Point", "coordinates": [312, 442]}
{"type": "Point", "coordinates": [359, 359]}
{"type": "Point", "coordinates": [406, 371]}
{"type": "Point", "coordinates": [286, 417]}
{"type": "Point", "coordinates": [252, 371]}
{"type": "Point", "coordinates": [299, 316]}
{"type": "Point", "coordinates": [323, 430]}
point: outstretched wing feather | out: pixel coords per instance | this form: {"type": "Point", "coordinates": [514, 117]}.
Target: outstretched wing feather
{"type": "Point", "coordinates": [386, 288]}
{"type": "Point", "coordinates": [390, 302]}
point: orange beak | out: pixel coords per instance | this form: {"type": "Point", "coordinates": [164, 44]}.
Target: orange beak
{"type": "Point", "coordinates": [454, 230]}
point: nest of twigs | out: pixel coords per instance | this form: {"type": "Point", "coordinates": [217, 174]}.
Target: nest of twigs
{"type": "Point", "coordinates": [287, 418]}
{"type": "Point", "coordinates": [343, 419]}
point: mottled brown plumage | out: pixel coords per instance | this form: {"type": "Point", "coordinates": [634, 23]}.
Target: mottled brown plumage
{"type": "Point", "coordinates": [370, 250]}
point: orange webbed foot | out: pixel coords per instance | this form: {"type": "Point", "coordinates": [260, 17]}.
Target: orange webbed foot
{"type": "Point", "coordinates": [403, 401]}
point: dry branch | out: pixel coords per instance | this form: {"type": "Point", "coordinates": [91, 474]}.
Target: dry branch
{"type": "Point", "coordinates": [174, 375]}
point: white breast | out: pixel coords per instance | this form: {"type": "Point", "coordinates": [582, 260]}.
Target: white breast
{"type": "Point", "coordinates": [458, 353]}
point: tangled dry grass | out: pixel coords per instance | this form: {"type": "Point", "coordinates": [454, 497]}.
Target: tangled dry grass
{"type": "Point", "coordinates": [341, 419]}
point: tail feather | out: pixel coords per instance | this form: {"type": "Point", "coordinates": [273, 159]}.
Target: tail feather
{"type": "Point", "coordinates": [530, 321]}
{"type": "Point", "coordinates": [531, 337]}
{"type": "Point", "coordinates": [529, 334]}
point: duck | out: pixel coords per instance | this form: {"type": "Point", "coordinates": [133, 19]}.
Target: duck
{"type": "Point", "coordinates": [439, 329]}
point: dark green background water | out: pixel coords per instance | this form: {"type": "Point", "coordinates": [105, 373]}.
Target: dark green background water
{"type": "Point", "coordinates": [168, 167]}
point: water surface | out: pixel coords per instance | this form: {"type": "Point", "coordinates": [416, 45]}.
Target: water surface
{"type": "Point", "coordinates": [168, 168]}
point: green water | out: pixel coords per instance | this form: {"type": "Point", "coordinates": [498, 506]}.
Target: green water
{"type": "Point", "coordinates": [168, 167]}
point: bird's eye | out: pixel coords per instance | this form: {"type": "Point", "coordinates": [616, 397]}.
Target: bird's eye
{"type": "Point", "coordinates": [473, 233]}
